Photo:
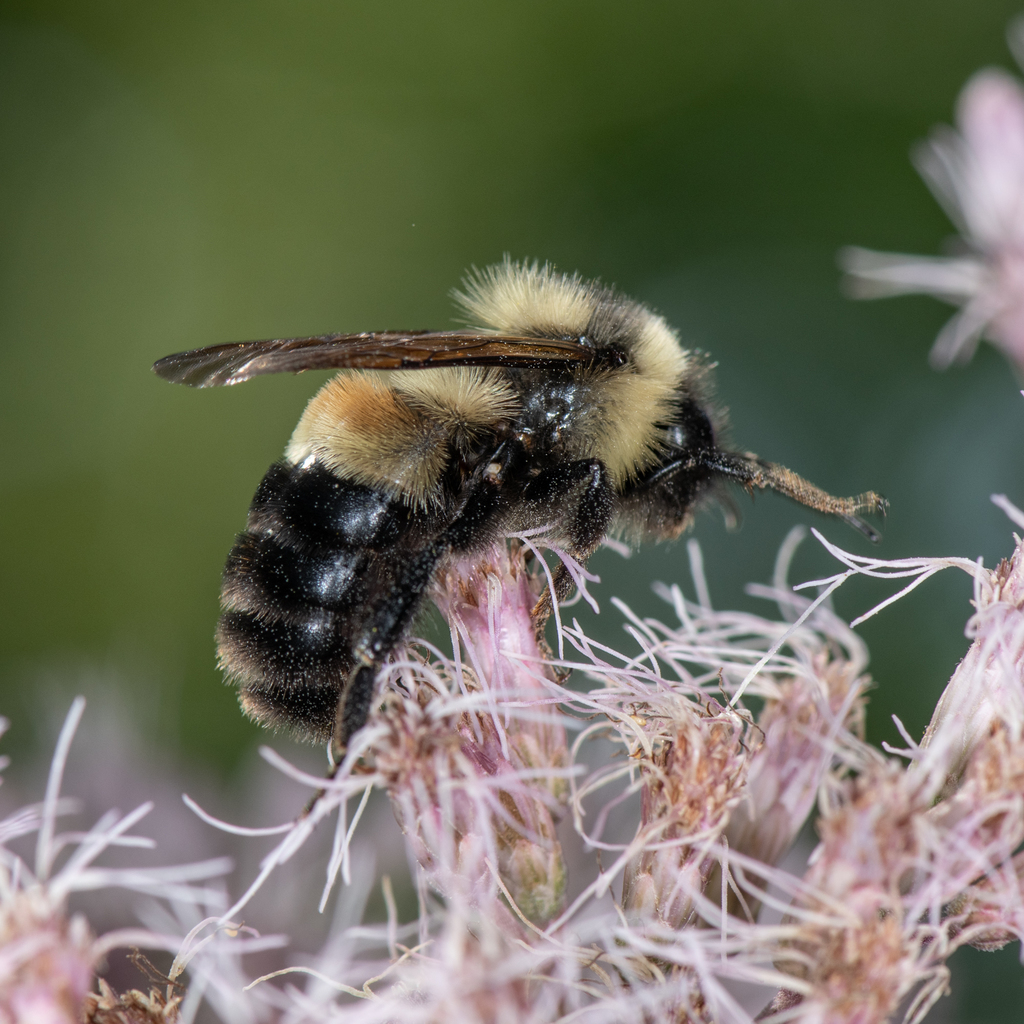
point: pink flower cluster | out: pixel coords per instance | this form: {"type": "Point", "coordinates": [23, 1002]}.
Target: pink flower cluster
{"type": "Point", "coordinates": [49, 955]}
{"type": "Point", "coordinates": [606, 852]}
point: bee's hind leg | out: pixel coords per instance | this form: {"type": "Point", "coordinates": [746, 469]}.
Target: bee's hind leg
{"type": "Point", "coordinates": [396, 607]}
{"type": "Point", "coordinates": [392, 612]}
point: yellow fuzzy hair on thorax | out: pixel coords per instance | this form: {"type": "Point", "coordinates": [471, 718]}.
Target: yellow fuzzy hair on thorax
{"type": "Point", "coordinates": [392, 430]}
{"type": "Point", "coordinates": [630, 401]}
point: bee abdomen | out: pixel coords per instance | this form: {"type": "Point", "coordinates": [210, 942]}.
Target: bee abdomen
{"type": "Point", "coordinates": [308, 506]}
{"type": "Point", "coordinates": [265, 575]}
{"type": "Point", "coordinates": [297, 587]}
{"type": "Point", "coordinates": [289, 673]}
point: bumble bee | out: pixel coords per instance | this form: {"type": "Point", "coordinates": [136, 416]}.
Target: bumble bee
{"type": "Point", "coordinates": [569, 407]}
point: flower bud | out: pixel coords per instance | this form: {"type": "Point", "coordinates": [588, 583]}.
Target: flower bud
{"type": "Point", "coordinates": [477, 779]}
{"type": "Point", "coordinates": [987, 684]}
{"type": "Point", "coordinates": [46, 960]}
{"type": "Point", "coordinates": [693, 778]}
{"type": "Point", "coordinates": [795, 752]}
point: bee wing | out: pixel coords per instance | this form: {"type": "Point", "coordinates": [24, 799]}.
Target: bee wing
{"type": "Point", "coordinates": [379, 350]}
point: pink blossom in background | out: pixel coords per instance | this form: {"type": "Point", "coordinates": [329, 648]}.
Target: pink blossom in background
{"type": "Point", "coordinates": [977, 174]}
{"type": "Point", "coordinates": [49, 954]}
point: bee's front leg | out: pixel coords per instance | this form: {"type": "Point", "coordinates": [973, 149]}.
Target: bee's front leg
{"type": "Point", "coordinates": [581, 500]}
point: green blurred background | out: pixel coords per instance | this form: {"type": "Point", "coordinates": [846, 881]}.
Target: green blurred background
{"type": "Point", "coordinates": [175, 175]}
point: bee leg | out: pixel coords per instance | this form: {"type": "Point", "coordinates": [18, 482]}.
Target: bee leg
{"type": "Point", "coordinates": [672, 490]}
{"type": "Point", "coordinates": [391, 615]}
{"type": "Point", "coordinates": [354, 705]}
{"type": "Point", "coordinates": [749, 471]}
{"type": "Point", "coordinates": [396, 608]}
{"type": "Point", "coordinates": [586, 486]}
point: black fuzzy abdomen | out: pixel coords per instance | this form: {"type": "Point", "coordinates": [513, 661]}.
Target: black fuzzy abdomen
{"type": "Point", "coordinates": [309, 506]}
{"type": "Point", "coordinates": [298, 588]}
{"type": "Point", "coordinates": [291, 581]}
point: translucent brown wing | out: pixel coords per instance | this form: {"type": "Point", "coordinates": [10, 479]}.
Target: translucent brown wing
{"type": "Point", "coordinates": [380, 350]}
